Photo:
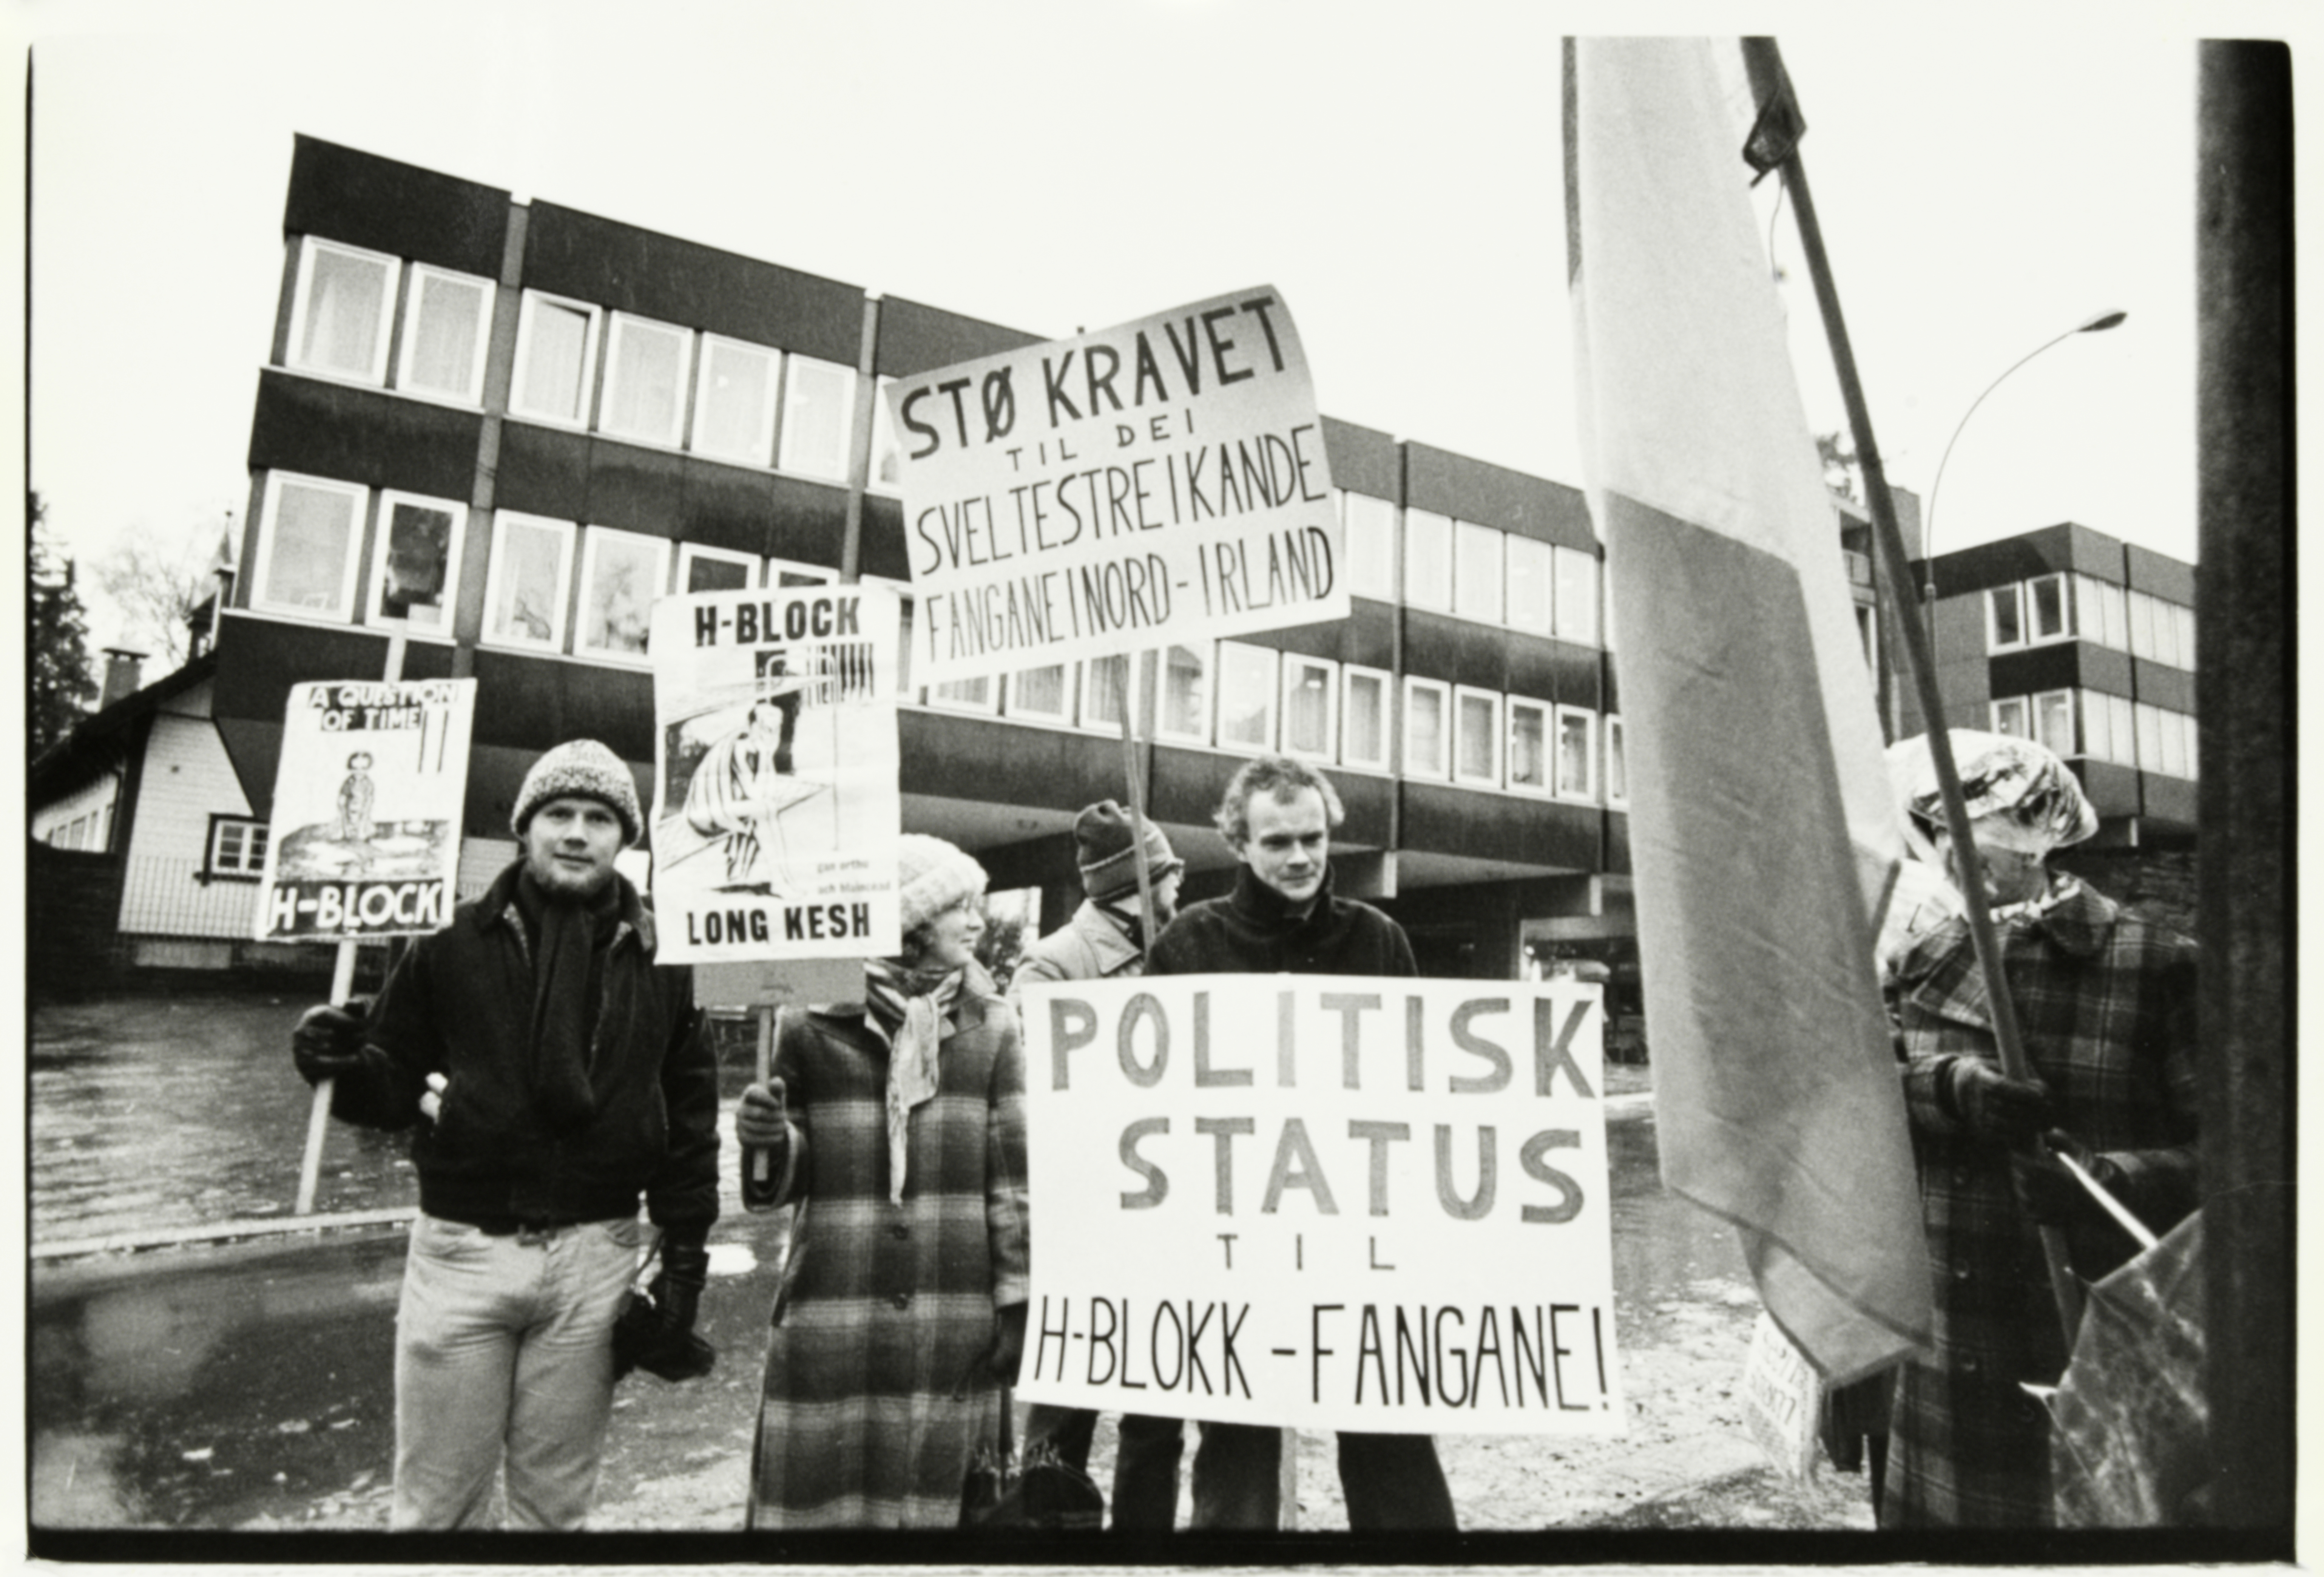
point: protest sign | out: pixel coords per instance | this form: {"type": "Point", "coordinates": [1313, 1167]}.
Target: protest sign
{"type": "Point", "coordinates": [1324, 1202]}
{"type": "Point", "coordinates": [365, 837]}
{"type": "Point", "coordinates": [1160, 481]}
{"type": "Point", "coordinates": [1782, 1401]}
{"type": "Point", "coordinates": [776, 808]}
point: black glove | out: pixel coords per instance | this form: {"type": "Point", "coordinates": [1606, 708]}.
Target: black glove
{"type": "Point", "coordinates": [1008, 1354]}
{"type": "Point", "coordinates": [1993, 1105]}
{"type": "Point", "coordinates": [328, 1041]}
{"type": "Point", "coordinates": [2049, 1194]}
{"type": "Point", "coordinates": [759, 1122]}
{"type": "Point", "coordinates": [677, 1291]}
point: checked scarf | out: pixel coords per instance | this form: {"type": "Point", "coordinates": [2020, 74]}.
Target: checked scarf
{"type": "Point", "coordinates": [908, 1007]}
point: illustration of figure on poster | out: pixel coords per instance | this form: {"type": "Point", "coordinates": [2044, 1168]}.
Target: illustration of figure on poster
{"type": "Point", "coordinates": [753, 769]}
{"type": "Point", "coordinates": [369, 811]}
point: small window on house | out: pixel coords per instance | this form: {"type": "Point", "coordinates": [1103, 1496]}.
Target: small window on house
{"type": "Point", "coordinates": [1427, 559]}
{"type": "Point", "coordinates": [1617, 765]}
{"type": "Point", "coordinates": [447, 328]}
{"type": "Point", "coordinates": [2174, 731]}
{"type": "Point", "coordinates": [1577, 595]}
{"type": "Point", "coordinates": [1427, 728]}
{"type": "Point", "coordinates": [1370, 524]}
{"type": "Point", "coordinates": [1477, 572]}
{"type": "Point", "coordinates": [1040, 694]}
{"type": "Point", "coordinates": [1577, 774]}
{"type": "Point", "coordinates": [2182, 619]}
{"type": "Point", "coordinates": [645, 381]}
{"type": "Point", "coordinates": [555, 359]}
{"type": "Point", "coordinates": [1528, 743]}
{"type": "Point", "coordinates": [2009, 717]}
{"type": "Point", "coordinates": [308, 544]}
{"type": "Point", "coordinates": [1363, 721]}
{"type": "Point", "coordinates": [2191, 745]}
{"type": "Point", "coordinates": [2150, 736]}
{"type": "Point", "coordinates": [735, 400]}
{"type": "Point", "coordinates": [1107, 684]}
{"type": "Point", "coordinates": [623, 575]}
{"type": "Point", "coordinates": [817, 404]}
{"type": "Point", "coordinates": [1245, 697]}
{"type": "Point", "coordinates": [341, 312]}
{"type": "Point", "coordinates": [2142, 627]}
{"type": "Point", "coordinates": [525, 584]}
{"type": "Point", "coordinates": [1311, 714]}
{"type": "Point", "coordinates": [2097, 738]}
{"type": "Point", "coordinates": [1185, 710]}
{"type": "Point", "coordinates": [2122, 726]}
{"type": "Point", "coordinates": [2053, 721]}
{"type": "Point", "coordinates": [2005, 618]}
{"type": "Point", "coordinates": [1477, 737]}
{"type": "Point", "coordinates": [419, 557]}
{"type": "Point", "coordinates": [238, 847]}
{"type": "Point", "coordinates": [1532, 586]}
{"type": "Point", "coordinates": [705, 569]}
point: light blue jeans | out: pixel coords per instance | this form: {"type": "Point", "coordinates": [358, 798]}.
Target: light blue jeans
{"type": "Point", "coordinates": [504, 1351]}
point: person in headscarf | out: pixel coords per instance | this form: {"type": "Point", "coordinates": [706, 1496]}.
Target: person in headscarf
{"type": "Point", "coordinates": [2105, 1006]}
{"type": "Point", "coordinates": [898, 1123]}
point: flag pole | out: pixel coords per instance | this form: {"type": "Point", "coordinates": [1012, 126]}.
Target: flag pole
{"type": "Point", "coordinates": [1766, 63]}
{"type": "Point", "coordinates": [1134, 782]}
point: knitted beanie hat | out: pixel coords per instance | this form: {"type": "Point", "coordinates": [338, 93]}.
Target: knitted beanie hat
{"type": "Point", "coordinates": [931, 877]}
{"type": "Point", "coordinates": [1108, 854]}
{"type": "Point", "coordinates": [582, 767]}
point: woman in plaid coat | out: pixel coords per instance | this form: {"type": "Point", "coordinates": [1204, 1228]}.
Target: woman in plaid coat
{"type": "Point", "coordinates": [2106, 1005]}
{"type": "Point", "coordinates": [899, 1126]}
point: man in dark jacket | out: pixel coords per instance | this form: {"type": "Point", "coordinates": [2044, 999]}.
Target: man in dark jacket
{"type": "Point", "coordinates": [1278, 816]}
{"type": "Point", "coordinates": [555, 1072]}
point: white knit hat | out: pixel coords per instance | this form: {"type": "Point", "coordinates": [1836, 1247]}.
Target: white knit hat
{"type": "Point", "coordinates": [931, 877]}
{"type": "Point", "coordinates": [584, 767]}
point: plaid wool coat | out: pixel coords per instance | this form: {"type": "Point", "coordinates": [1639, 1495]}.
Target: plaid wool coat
{"type": "Point", "coordinates": [876, 1394]}
{"type": "Point", "coordinates": [2106, 1003]}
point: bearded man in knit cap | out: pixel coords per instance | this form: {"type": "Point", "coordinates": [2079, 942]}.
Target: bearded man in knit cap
{"type": "Point", "coordinates": [1104, 939]}
{"type": "Point", "coordinates": [554, 1073]}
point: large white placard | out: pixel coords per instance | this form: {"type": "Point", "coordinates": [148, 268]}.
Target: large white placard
{"type": "Point", "coordinates": [1161, 481]}
{"type": "Point", "coordinates": [776, 808]}
{"type": "Point", "coordinates": [1324, 1201]}
{"type": "Point", "coordinates": [365, 837]}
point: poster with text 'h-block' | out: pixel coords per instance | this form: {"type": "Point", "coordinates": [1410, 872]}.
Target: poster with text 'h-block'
{"type": "Point", "coordinates": [1158, 483]}
{"type": "Point", "coordinates": [776, 808]}
{"type": "Point", "coordinates": [365, 837]}
{"type": "Point", "coordinates": [1324, 1201]}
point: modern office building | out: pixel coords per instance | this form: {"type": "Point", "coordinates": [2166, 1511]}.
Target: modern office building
{"type": "Point", "coordinates": [497, 429]}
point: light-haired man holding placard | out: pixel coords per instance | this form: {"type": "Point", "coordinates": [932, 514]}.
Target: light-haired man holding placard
{"type": "Point", "coordinates": [1277, 815]}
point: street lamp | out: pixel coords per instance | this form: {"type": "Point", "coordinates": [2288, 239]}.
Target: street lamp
{"type": "Point", "coordinates": [2097, 324]}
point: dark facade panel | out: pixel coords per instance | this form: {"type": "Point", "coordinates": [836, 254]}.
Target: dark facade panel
{"type": "Point", "coordinates": [1363, 460]}
{"type": "Point", "coordinates": [2105, 670]}
{"type": "Point", "coordinates": [1446, 820]}
{"type": "Point", "coordinates": [809, 521]}
{"type": "Point", "coordinates": [2170, 801]}
{"type": "Point", "coordinates": [1370, 804]}
{"type": "Point", "coordinates": [1366, 637]}
{"type": "Point", "coordinates": [636, 489]}
{"type": "Point", "coordinates": [959, 756]}
{"type": "Point", "coordinates": [2112, 790]}
{"type": "Point", "coordinates": [534, 702]}
{"type": "Point", "coordinates": [913, 338]}
{"type": "Point", "coordinates": [572, 254]}
{"type": "Point", "coordinates": [1617, 843]}
{"type": "Point", "coordinates": [1554, 670]}
{"type": "Point", "coordinates": [1459, 651]}
{"type": "Point", "coordinates": [363, 434]}
{"type": "Point", "coordinates": [2038, 668]}
{"type": "Point", "coordinates": [427, 659]}
{"type": "Point", "coordinates": [1186, 784]}
{"type": "Point", "coordinates": [543, 471]}
{"type": "Point", "coordinates": [1495, 496]}
{"type": "Point", "coordinates": [883, 549]}
{"type": "Point", "coordinates": [387, 206]}
{"type": "Point", "coordinates": [2094, 553]}
{"type": "Point", "coordinates": [2171, 688]}
{"type": "Point", "coordinates": [259, 660]}
{"type": "Point", "coordinates": [726, 506]}
{"type": "Point", "coordinates": [1991, 564]}
{"type": "Point", "coordinates": [2158, 576]}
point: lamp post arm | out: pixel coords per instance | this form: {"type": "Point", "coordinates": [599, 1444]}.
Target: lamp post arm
{"type": "Point", "coordinates": [1929, 525]}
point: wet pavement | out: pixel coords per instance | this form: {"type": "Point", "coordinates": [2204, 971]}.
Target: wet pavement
{"type": "Point", "coordinates": [249, 1386]}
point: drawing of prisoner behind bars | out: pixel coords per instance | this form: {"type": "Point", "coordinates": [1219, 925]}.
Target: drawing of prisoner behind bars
{"type": "Point", "coordinates": [739, 789]}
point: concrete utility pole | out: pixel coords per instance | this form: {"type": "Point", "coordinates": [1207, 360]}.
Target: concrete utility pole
{"type": "Point", "coordinates": [2245, 695]}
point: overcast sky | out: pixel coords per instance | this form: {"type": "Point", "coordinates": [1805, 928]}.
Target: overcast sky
{"type": "Point", "coordinates": [1392, 171]}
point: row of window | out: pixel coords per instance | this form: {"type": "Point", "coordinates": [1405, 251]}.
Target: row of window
{"type": "Point", "coordinates": [1472, 571]}
{"type": "Point", "coordinates": [2093, 724]}
{"type": "Point", "coordinates": [577, 365]}
{"type": "Point", "coordinates": [1236, 696]}
{"type": "Point", "coordinates": [2067, 608]}
{"type": "Point", "coordinates": [83, 832]}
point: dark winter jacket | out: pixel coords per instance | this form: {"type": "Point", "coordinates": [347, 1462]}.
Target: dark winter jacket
{"type": "Point", "coordinates": [460, 1003]}
{"type": "Point", "coordinates": [1251, 932]}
